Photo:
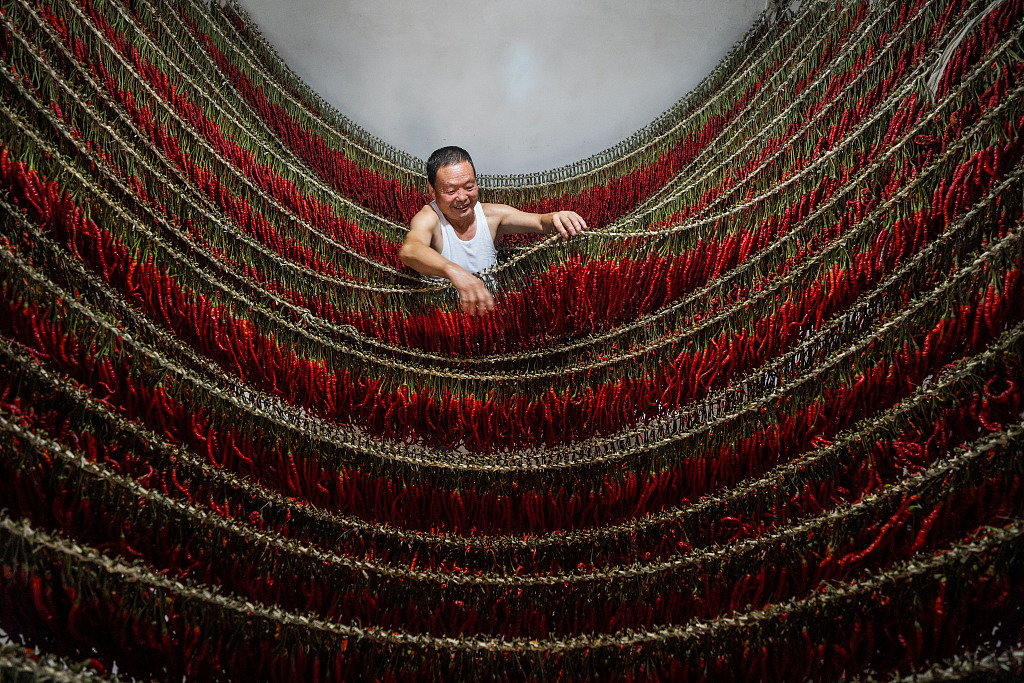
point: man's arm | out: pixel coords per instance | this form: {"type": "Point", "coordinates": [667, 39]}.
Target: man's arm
{"type": "Point", "coordinates": [509, 220]}
{"type": "Point", "coordinates": [416, 252]}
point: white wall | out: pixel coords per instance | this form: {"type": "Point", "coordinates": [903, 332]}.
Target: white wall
{"type": "Point", "coordinates": [525, 86]}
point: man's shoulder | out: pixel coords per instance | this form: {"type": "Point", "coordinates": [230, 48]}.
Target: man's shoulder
{"type": "Point", "coordinates": [492, 211]}
{"type": "Point", "coordinates": [504, 220]}
{"type": "Point", "coordinates": [425, 218]}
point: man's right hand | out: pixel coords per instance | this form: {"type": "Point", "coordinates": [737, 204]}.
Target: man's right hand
{"type": "Point", "coordinates": [418, 253]}
{"type": "Point", "coordinates": [474, 297]}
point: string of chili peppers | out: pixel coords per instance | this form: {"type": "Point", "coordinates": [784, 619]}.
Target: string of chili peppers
{"type": "Point", "coordinates": [286, 207]}
{"type": "Point", "coordinates": [980, 262]}
{"type": "Point", "coordinates": [781, 443]}
{"type": "Point", "coordinates": [968, 427]}
{"type": "Point", "coordinates": [994, 553]}
{"type": "Point", "coordinates": [92, 496]}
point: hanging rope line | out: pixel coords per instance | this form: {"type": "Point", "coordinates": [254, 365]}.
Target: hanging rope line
{"type": "Point", "coordinates": [764, 422]}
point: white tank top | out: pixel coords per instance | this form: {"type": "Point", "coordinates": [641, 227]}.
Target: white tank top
{"type": "Point", "coordinates": [474, 255]}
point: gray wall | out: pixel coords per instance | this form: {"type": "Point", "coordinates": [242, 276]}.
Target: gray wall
{"type": "Point", "coordinates": [525, 86]}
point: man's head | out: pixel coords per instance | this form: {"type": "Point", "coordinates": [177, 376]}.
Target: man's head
{"type": "Point", "coordinates": [446, 156]}
{"type": "Point", "coordinates": [452, 180]}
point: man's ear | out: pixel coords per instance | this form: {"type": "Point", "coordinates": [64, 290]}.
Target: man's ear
{"type": "Point", "coordinates": [430, 188]}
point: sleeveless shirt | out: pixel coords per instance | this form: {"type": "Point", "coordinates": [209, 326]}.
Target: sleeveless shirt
{"type": "Point", "coordinates": [474, 255]}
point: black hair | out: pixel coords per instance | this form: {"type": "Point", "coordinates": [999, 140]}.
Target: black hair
{"type": "Point", "coordinates": [446, 156]}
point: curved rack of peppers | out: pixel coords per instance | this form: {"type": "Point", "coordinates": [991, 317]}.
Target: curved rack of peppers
{"type": "Point", "coordinates": [764, 422]}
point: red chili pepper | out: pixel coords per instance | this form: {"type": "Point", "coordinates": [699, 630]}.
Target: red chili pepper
{"type": "Point", "coordinates": [926, 526]}
{"type": "Point", "coordinates": [896, 520]}
{"type": "Point", "coordinates": [990, 295]}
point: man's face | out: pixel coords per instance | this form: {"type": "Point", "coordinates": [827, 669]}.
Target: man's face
{"type": "Point", "coordinates": [455, 191]}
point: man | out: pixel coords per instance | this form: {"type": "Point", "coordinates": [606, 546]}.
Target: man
{"type": "Point", "coordinates": [454, 236]}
